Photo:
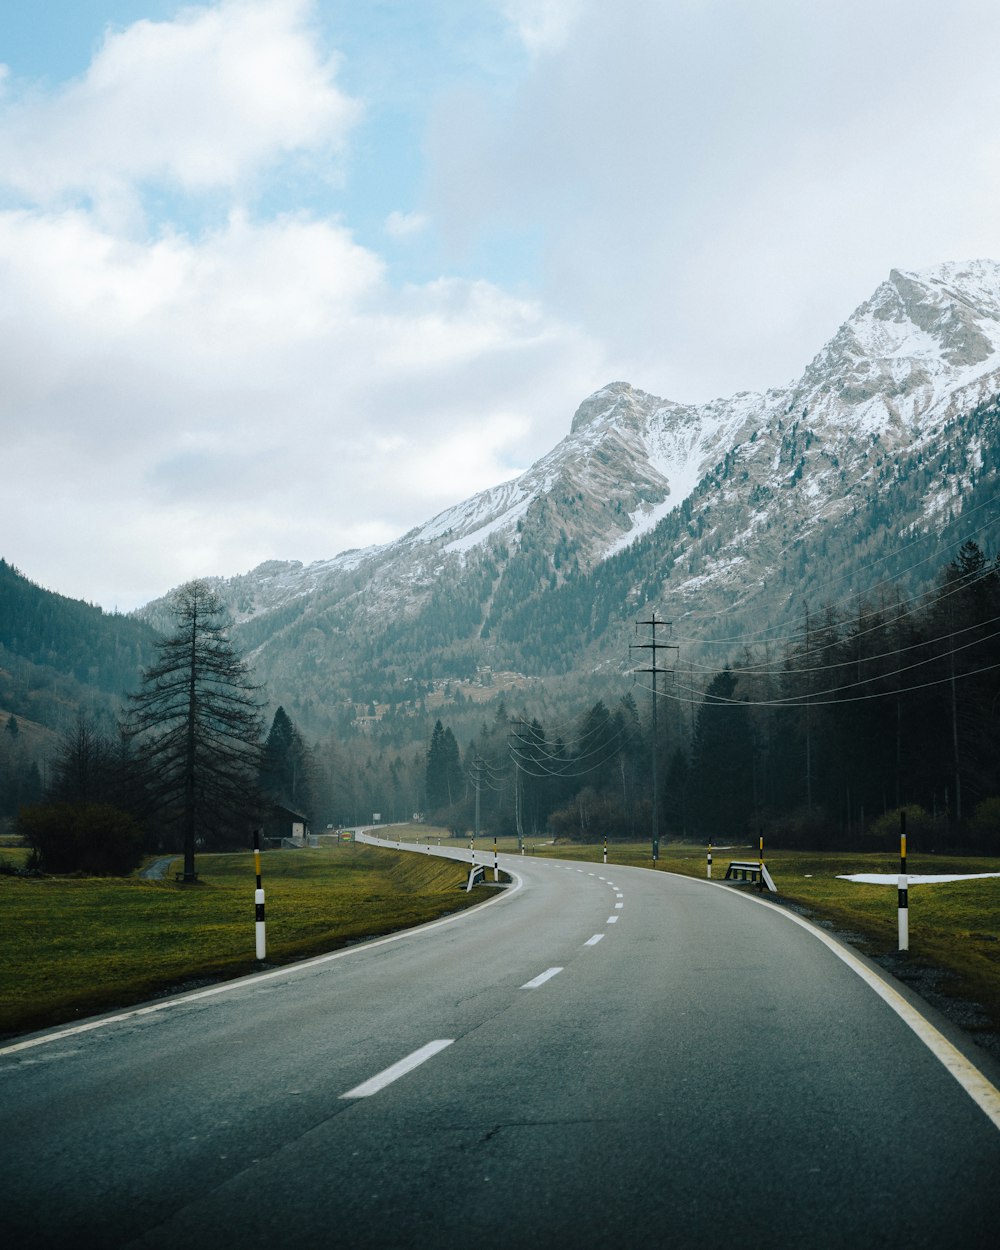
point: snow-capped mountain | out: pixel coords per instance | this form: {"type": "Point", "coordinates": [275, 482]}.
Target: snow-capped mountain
{"type": "Point", "coordinates": [745, 506]}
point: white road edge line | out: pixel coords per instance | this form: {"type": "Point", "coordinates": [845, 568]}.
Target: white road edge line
{"type": "Point", "coordinates": [393, 1073]}
{"type": "Point", "coordinates": [542, 977]}
{"type": "Point", "coordinates": [980, 1089]}
{"type": "Point", "coordinates": [226, 987]}
{"type": "Point", "coordinates": [594, 940]}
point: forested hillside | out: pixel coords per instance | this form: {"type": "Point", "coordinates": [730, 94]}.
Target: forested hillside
{"type": "Point", "coordinates": [59, 654]}
{"type": "Point", "coordinates": [814, 738]}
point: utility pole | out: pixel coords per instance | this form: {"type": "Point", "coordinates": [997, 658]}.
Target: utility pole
{"type": "Point", "coordinates": [517, 807]}
{"type": "Point", "coordinates": [515, 744]}
{"type": "Point", "coordinates": [654, 645]}
{"type": "Point", "coordinates": [477, 782]}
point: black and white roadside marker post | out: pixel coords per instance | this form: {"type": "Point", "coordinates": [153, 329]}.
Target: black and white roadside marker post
{"type": "Point", "coordinates": [709, 866]}
{"type": "Point", "coordinates": [258, 899]}
{"type": "Point", "coordinates": [496, 862]}
{"type": "Point", "coordinates": [605, 850]}
{"type": "Point", "coordinates": [904, 888]}
{"type": "Point", "coordinates": [760, 863]}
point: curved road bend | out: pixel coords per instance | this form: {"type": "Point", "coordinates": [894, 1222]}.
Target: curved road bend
{"type": "Point", "coordinates": [600, 1056]}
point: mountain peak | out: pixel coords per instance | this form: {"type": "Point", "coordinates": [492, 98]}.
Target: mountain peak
{"type": "Point", "coordinates": [617, 399]}
{"type": "Point", "coordinates": [919, 337]}
{"type": "Point", "coordinates": [956, 306]}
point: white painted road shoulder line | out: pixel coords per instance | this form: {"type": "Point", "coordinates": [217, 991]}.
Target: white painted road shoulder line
{"type": "Point", "coordinates": [594, 940]}
{"type": "Point", "coordinates": [542, 977]}
{"type": "Point", "coordinates": [980, 1089]}
{"type": "Point", "coordinates": [372, 1086]}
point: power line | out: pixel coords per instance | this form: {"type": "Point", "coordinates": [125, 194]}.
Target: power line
{"type": "Point", "coordinates": [753, 670]}
{"type": "Point", "coordinates": [806, 702]}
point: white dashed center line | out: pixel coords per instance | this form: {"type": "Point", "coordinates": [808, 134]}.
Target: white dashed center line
{"type": "Point", "coordinates": [612, 920]}
{"type": "Point", "coordinates": [542, 977]}
{"type": "Point", "coordinates": [372, 1086]}
{"type": "Point", "coordinates": [594, 940]}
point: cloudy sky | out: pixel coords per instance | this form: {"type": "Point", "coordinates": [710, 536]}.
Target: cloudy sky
{"type": "Point", "coordinates": [283, 277]}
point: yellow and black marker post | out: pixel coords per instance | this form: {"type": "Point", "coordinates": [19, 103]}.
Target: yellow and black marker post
{"type": "Point", "coordinates": [258, 899]}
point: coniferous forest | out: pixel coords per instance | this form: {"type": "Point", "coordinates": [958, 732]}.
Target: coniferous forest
{"type": "Point", "coordinates": [814, 738]}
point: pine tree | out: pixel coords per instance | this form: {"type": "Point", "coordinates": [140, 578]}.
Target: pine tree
{"type": "Point", "coordinates": [287, 771]}
{"type": "Point", "coordinates": [196, 725]}
{"type": "Point", "coordinates": [83, 769]}
{"type": "Point", "coordinates": [444, 770]}
{"type": "Point", "coordinates": [722, 761]}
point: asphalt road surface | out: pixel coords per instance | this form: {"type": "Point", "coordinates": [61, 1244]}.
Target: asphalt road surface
{"type": "Point", "coordinates": [597, 1057]}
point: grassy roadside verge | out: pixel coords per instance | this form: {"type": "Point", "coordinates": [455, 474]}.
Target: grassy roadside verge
{"type": "Point", "coordinates": [72, 947]}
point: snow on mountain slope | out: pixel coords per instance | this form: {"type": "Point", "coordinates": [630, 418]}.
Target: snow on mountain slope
{"type": "Point", "coordinates": [923, 348]}
{"type": "Point", "coordinates": [918, 342]}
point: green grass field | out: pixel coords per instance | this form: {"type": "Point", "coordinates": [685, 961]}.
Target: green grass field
{"type": "Point", "coordinates": [75, 946]}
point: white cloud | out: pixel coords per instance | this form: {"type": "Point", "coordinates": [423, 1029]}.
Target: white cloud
{"type": "Point", "coordinates": [186, 407]}
{"type": "Point", "coordinates": [542, 25]}
{"type": "Point", "coordinates": [178, 403]}
{"type": "Point", "coordinates": [203, 102]}
{"type": "Point", "coordinates": [402, 226]}
{"type": "Point", "coordinates": [719, 183]}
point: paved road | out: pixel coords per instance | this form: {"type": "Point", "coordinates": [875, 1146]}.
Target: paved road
{"type": "Point", "coordinates": [597, 1057]}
